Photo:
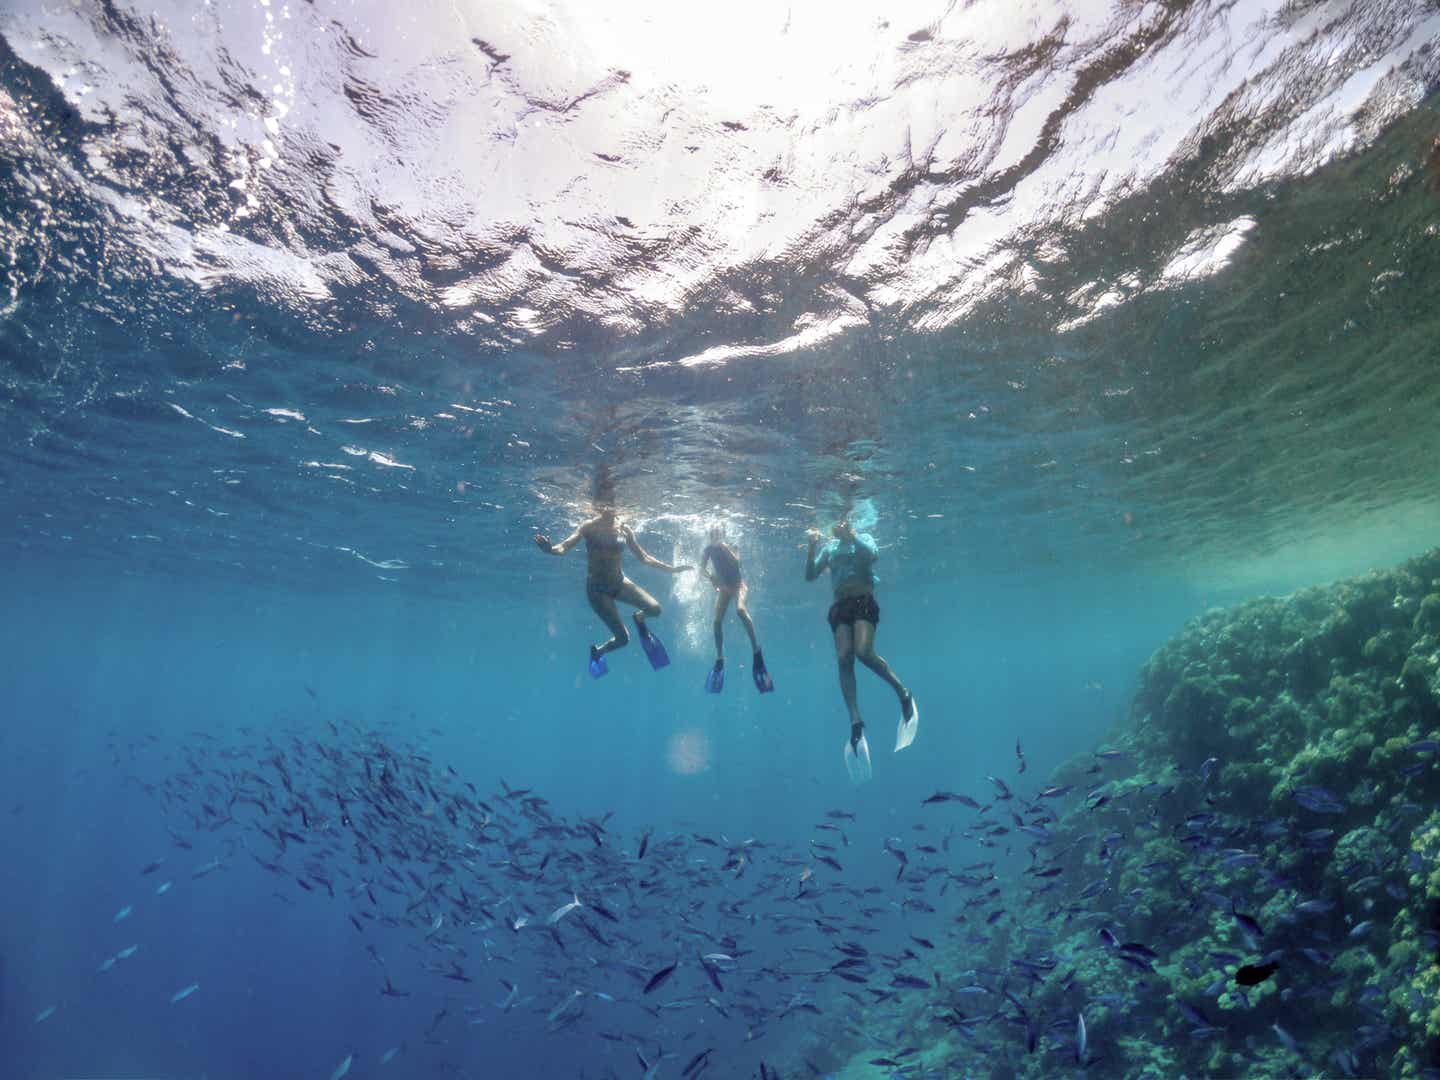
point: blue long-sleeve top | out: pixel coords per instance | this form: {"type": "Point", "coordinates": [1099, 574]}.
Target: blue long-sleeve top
{"type": "Point", "coordinates": [851, 563]}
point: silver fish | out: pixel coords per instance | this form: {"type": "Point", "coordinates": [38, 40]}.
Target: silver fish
{"type": "Point", "coordinates": [564, 1006]}
{"type": "Point", "coordinates": [564, 909]}
{"type": "Point", "coordinates": [181, 995]}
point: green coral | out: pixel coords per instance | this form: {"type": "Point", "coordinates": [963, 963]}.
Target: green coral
{"type": "Point", "coordinates": [1427, 618]}
{"type": "Point", "coordinates": [1359, 853]}
{"type": "Point", "coordinates": [1419, 995]}
{"type": "Point", "coordinates": [1330, 687]}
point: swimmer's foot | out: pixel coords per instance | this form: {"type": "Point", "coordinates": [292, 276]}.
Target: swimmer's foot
{"type": "Point", "coordinates": [763, 682]}
{"type": "Point", "coordinates": [909, 721]}
{"type": "Point", "coordinates": [651, 644]}
{"type": "Point", "coordinates": [715, 681]}
{"type": "Point", "coordinates": [598, 667]}
{"type": "Point", "coordinates": [857, 755]}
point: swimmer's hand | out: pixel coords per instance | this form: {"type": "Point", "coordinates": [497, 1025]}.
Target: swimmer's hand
{"type": "Point", "coordinates": [681, 569]}
{"type": "Point", "coordinates": [543, 543]}
{"type": "Point", "coordinates": [813, 535]}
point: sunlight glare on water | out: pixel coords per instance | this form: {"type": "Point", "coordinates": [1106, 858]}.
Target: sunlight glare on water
{"type": "Point", "coordinates": [688, 752]}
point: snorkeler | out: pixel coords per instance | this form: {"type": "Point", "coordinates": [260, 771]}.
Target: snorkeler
{"type": "Point", "coordinates": [850, 557]}
{"type": "Point", "coordinates": [721, 565]}
{"type": "Point", "coordinates": [606, 585]}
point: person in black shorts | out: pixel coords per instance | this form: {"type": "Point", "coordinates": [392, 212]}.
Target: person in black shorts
{"type": "Point", "coordinates": [721, 565]}
{"type": "Point", "coordinates": [854, 616]}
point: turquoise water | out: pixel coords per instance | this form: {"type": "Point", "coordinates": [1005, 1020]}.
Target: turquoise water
{"type": "Point", "coordinates": [312, 315]}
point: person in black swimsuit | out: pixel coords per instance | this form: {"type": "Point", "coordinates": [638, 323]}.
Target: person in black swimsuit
{"type": "Point", "coordinates": [605, 582]}
{"type": "Point", "coordinates": [721, 565]}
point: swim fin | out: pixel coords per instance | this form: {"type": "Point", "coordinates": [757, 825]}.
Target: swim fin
{"type": "Point", "coordinates": [905, 731]}
{"type": "Point", "coordinates": [763, 682]}
{"type": "Point", "coordinates": [857, 760]}
{"type": "Point", "coordinates": [598, 666]}
{"type": "Point", "coordinates": [715, 681]}
{"type": "Point", "coordinates": [652, 645]}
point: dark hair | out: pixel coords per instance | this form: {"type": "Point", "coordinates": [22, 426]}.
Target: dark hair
{"type": "Point", "coordinates": [602, 488]}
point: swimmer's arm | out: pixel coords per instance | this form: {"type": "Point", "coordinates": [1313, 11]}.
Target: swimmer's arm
{"type": "Point", "coordinates": [705, 568]}
{"type": "Point", "coordinates": [645, 557]}
{"type": "Point", "coordinates": [543, 542]}
{"type": "Point", "coordinates": [815, 567]}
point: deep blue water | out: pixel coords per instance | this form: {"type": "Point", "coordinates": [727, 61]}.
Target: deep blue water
{"type": "Point", "coordinates": [312, 315]}
{"type": "Point", "coordinates": [100, 702]}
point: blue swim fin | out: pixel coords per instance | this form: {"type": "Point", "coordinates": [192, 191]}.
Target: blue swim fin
{"type": "Point", "coordinates": [598, 666]}
{"type": "Point", "coordinates": [652, 645]}
{"type": "Point", "coordinates": [763, 682]}
{"type": "Point", "coordinates": [715, 681]}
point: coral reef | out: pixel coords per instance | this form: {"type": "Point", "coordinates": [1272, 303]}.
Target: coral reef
{"type": "Point", "coordinates": [1248, 884]}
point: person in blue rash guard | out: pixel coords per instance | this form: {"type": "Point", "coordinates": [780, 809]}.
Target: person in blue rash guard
{"type": "Point", "coordinates": [854, 615]}
{"type": "Point", "coordinates": [720, 563]}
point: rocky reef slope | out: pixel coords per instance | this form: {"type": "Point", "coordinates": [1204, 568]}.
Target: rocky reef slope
{"type": "Point", "coordinates": [1244, 882]}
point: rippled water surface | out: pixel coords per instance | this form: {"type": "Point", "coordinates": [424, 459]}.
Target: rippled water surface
{"type": "Point", "coordinates": [311, 313]}
{"type": "Point", "coordinates": [273, 267]}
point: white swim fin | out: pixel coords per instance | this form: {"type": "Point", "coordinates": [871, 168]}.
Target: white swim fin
{"type": "Point", "coordinates": [857, 761]}
{"type": "Point", "coordinates": [905, 731]}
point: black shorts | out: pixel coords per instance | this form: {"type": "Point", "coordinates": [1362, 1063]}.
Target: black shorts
{"type": "Point", "coordinates": [853, 608]}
